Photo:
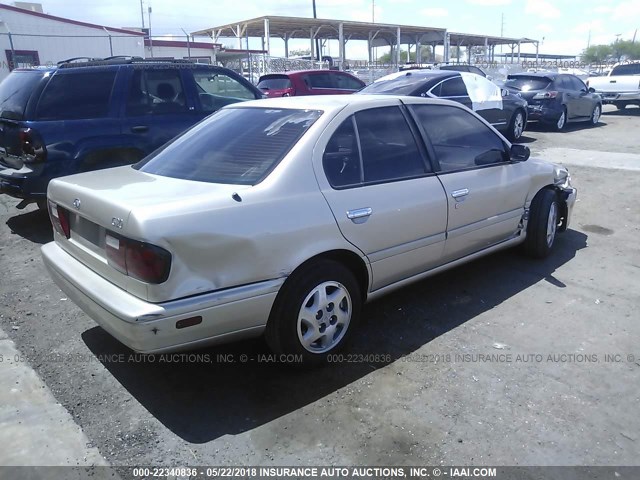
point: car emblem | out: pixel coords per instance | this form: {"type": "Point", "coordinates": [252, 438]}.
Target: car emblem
{"type": "Point", "coordinates": [117, 222]}
{"type": "Point", "coordinates": [76, 203]}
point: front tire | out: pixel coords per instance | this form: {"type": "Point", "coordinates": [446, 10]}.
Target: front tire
{"type": "Point", "coordinates": [542, 227]}
{"type": "Point", "coordinates": [315, 312]}
{"type": "Point", "coordinates": [516, 126]}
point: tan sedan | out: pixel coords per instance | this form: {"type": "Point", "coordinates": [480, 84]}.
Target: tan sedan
{"type": "Point", "coordinates": [283, 216]}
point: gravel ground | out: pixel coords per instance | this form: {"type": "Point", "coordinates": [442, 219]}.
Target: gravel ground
{"type": "Point", "coordinates": [502, 361]}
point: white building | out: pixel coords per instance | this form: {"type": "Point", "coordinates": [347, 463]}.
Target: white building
{"type": "Point", "coordinates": [29, 37]}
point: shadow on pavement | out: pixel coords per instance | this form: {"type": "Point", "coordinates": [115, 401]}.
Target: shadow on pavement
{"type": "Point", "coordinates": [201, 401]}
{"type": "Point", "coordinates": [625, 112]}
{"type": "Point", "coordinates": [33, 226]}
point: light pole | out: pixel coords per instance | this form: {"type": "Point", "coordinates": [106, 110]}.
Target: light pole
{"type": "Point", "coordinates": [317, 43]}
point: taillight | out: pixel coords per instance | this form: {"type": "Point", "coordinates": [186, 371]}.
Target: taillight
{"type": "Point", "coordinates": [545, 95]}
{"type": "Point", "coordinates": [59, 219]}
{"type": "Point", "coordinates": [140, 260]}
{"type": "Point", "coordinates": [32, 146]}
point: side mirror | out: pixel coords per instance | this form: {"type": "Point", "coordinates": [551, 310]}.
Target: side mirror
{"type": "Point", "coordinates": [505, 92]}
{"type": "Point", "coordinates": [592, 90]}
{"type": "Point", "coordinates": [519, 153]}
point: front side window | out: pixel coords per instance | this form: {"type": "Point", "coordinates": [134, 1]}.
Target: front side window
{"type": "Point", "coordinates": [459, 139]}
{"type": "Point", "coordinates": [234, 146]}
{"type": "Point", "coordinates": [345, 82]}
{"type": "Point", "coordinates": [155, 92]}
{"type": "Point", "coordinates": [77, 95]}
{"type": "Point", "coordinates": [214, 83]}
{"type": "Point", "coordinates": [373, 146]}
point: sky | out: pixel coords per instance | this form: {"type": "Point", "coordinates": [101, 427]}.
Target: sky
{"type": "Point", "coordinates": [562, 26]}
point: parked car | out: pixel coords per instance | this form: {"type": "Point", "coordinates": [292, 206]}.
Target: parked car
{"type": "Point", "coordinates": [282, 216]}
{"type": "Point", "coordinates": [503, 110]}
{"type": "Point", "coordinates": [309, 82]}
{"type": "Point", "coordinates": [88, 115]}
{"type": "Point", "coordinates": [621, 87]}
{"type": "Point", "coordinates": [556, 99]}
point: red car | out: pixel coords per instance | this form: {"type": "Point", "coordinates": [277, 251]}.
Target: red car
{"type": "Point", "coordinates": [309, 82]}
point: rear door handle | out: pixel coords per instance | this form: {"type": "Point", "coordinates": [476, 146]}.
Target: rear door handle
{"type": "Point", "coordinates": [359, 213]}
{"type": "Point", "coordinates": [463, 192]}
{"type": "Point", "coordinates": [139, 129]}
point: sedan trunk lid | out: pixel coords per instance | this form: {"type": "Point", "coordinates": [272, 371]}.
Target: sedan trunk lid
{"type": "Point", "coordinates": [119, 200]}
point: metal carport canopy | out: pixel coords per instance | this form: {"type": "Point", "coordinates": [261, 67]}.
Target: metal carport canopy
{"type": "Point", "coordinates": [378, 34]}
{"type": "Point", "coordinates": [299, 27]}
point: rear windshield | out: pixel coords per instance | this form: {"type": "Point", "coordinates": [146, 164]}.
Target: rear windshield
{"type": "Point", "coordinates": [234, 146]}
{"type": "Point", "coordinates": [627, 69]}
{"type": "Point", "coordinates": [525, 84]}
{"type": "Point", "coordinates": [405, 85]}
{"type": "Point", "coordinates": [15, 91]}
{"type": "Point", "coordinates": [275, 83]}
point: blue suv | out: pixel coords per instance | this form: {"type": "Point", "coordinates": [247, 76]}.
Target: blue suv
{"type": "Point", "coordinates": [89, 114]}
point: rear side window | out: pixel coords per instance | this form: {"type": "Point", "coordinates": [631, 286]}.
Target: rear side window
{"type": "Point", "coordinates": [524, 84]}
{"type": "Point", "coordinates": [234, 146]}
{"type": "Point", "coordinates": [460, 140]}
{"type": "Point", "coordinates": [15, 91]}
{"type": "Point", "coordinates": [274, 83]}
{"type": "Point", "coordinates": [155, 92]}
{"type": "Point", "coordinates": [388, 149]}
{"type": "Point", "coordinates": [319, 80]}
{"type": "Point", "coordinates": [626, 69]}
{"type": "Point", "coordinates": [453, 87]}
{"type": "Point", "coordinates": [77, 95]}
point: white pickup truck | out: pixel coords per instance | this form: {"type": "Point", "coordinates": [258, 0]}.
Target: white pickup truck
{"type": "Point", "coordinates": [621, 87]}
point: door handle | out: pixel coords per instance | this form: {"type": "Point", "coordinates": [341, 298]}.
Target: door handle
{"type": "Point", "coordinates": [359, 213]}
{"type": "Point", "coordinates": [139, 129]}
{"type": "Point", "coordinates": [460, 193]}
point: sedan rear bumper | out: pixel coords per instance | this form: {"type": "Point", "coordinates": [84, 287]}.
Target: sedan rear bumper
{"type": "Point", "coordinates": [227, 315]}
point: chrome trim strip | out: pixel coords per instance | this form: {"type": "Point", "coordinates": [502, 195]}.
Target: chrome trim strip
{"type": "Point", "coordinates": [487, 222]}
{"type": "Point", "coordinates": [394, 286]}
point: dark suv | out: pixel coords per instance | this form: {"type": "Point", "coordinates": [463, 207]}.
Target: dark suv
{"type": "Point", "coordinates": [94, 114]}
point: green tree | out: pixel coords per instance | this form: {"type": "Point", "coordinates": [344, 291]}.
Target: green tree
{"type": "Point", "coordinates": [597, 53]}
{"type": "Point", "coordinates": [626, 49]}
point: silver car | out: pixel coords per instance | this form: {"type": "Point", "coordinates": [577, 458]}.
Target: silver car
{"type": "Point", "coordinates": [283, 216]}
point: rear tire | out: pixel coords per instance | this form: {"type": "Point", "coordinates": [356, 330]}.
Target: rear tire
{"type": "Point", "coordinates": [544, 215]}
{"type": "Point", "coordinates": [516, 126]}
{"type": "Point", "coordinates": [559, 125]}
{"type": "Point", "coordinates": [595, 115]}
{"type": "Point", "coordinates": [315, 312]}
{"type": "Point", "coordinates": [621, 106]}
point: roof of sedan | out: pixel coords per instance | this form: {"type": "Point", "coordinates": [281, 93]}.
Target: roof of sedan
{"type": "Point", "coordinates": [332, 102]}
{"type": "Point", "coordinates": [420, 74]}
{"type": "Point", "coordinates": [534, 74]}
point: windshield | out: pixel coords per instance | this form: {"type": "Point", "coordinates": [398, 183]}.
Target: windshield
{"type": "Point", "coordinates": [15, 91]}
{"type": "Point", "coordinates": [626, 69]}
{"type": "Point", "coordinates": [525, 84]}
{"type": "Point", "coordinates": [274, 83]}
{"type": "Point", "coordinates": [234, 146]}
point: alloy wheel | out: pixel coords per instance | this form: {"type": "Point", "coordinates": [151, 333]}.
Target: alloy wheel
{"type": "Point", "coordinates": [324, 317]}
{"type": "Point", "coordinates": [552, 223]}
